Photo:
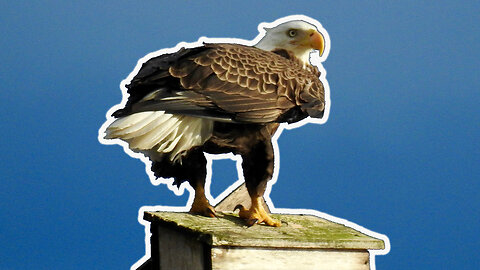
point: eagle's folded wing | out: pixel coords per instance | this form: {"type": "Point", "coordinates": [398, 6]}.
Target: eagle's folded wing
{"type": "Point", "coordinates": [226, 82]}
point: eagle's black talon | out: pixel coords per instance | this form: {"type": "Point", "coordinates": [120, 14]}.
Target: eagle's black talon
{"type": "Point", "coordinates": [251, 222]}
{"type": "Point", "coordinates": [284, 222]}
{"type": "Point", "coordinates": [212, 212]}
{"type": "Point", "coordinates": [238, 207]}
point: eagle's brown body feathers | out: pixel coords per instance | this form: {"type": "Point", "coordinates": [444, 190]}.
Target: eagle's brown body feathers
{"type": "Point", "coordinates": [228, 82]}
{"type": "Point", "coordinates": [233, 96]}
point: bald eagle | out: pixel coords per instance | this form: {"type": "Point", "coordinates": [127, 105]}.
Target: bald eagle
{"type": "Point", "coordinates": [222, 98]}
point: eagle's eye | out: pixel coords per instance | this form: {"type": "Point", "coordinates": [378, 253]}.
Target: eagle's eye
{"type": "Point", "coordinates": [292, 32]}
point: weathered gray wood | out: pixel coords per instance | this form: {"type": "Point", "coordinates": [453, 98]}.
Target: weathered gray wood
{"type": "Point", "coordinates": [257, 258]}
{"type": "Point", "coordinates": [186, 241]}
{"type": "Point", "coordinates": [301, 231]}
{"type": "Point", "coordinates": [238, 196]}
{"type": "Point", "coordinates": [178, 250]}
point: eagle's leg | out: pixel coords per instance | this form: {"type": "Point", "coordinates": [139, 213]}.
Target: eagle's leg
{"type": "Point", "coordinates": [258, 169]}
{"type": "Point", "coordinates": [200, 203]}
{"type": "Point", "coordinates": [195, 165]}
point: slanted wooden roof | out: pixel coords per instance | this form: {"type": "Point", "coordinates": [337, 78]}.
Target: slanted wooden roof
{"type": "Point", "coordinates": [299, 231]}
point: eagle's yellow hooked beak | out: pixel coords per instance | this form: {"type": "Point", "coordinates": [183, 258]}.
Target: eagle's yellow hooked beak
{"type": "Point", "coordinates": [316, 41]}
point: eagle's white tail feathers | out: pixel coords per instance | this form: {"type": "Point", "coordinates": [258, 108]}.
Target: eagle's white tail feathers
{"type": "Point", "coordinates": [131, 123]}
{"type": "Point", "coordinates": [158, 133]}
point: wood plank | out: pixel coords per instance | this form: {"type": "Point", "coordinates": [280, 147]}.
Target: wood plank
{"type": "Point", "coordinates": [178, 250]}
{"type": "Point", "coordinates": [255, 258]}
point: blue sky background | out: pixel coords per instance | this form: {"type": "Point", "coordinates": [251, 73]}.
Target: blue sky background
{"type": "Point", "coordinates": [400, 154]}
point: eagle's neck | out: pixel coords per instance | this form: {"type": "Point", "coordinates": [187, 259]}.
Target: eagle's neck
{"type": "Point", "coordinates": [303, 56]}
{"type": "Point", "coordinates": [301, 53]}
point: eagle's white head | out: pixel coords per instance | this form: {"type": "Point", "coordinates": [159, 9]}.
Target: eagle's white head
{"type": "Point", "coordinates": [297, 36]}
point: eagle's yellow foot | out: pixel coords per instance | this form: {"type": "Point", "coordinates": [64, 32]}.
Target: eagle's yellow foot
{"type": "Point", "coordinates": [256, 214]}
{"type": "Point", "coordinates": [201, 206]}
